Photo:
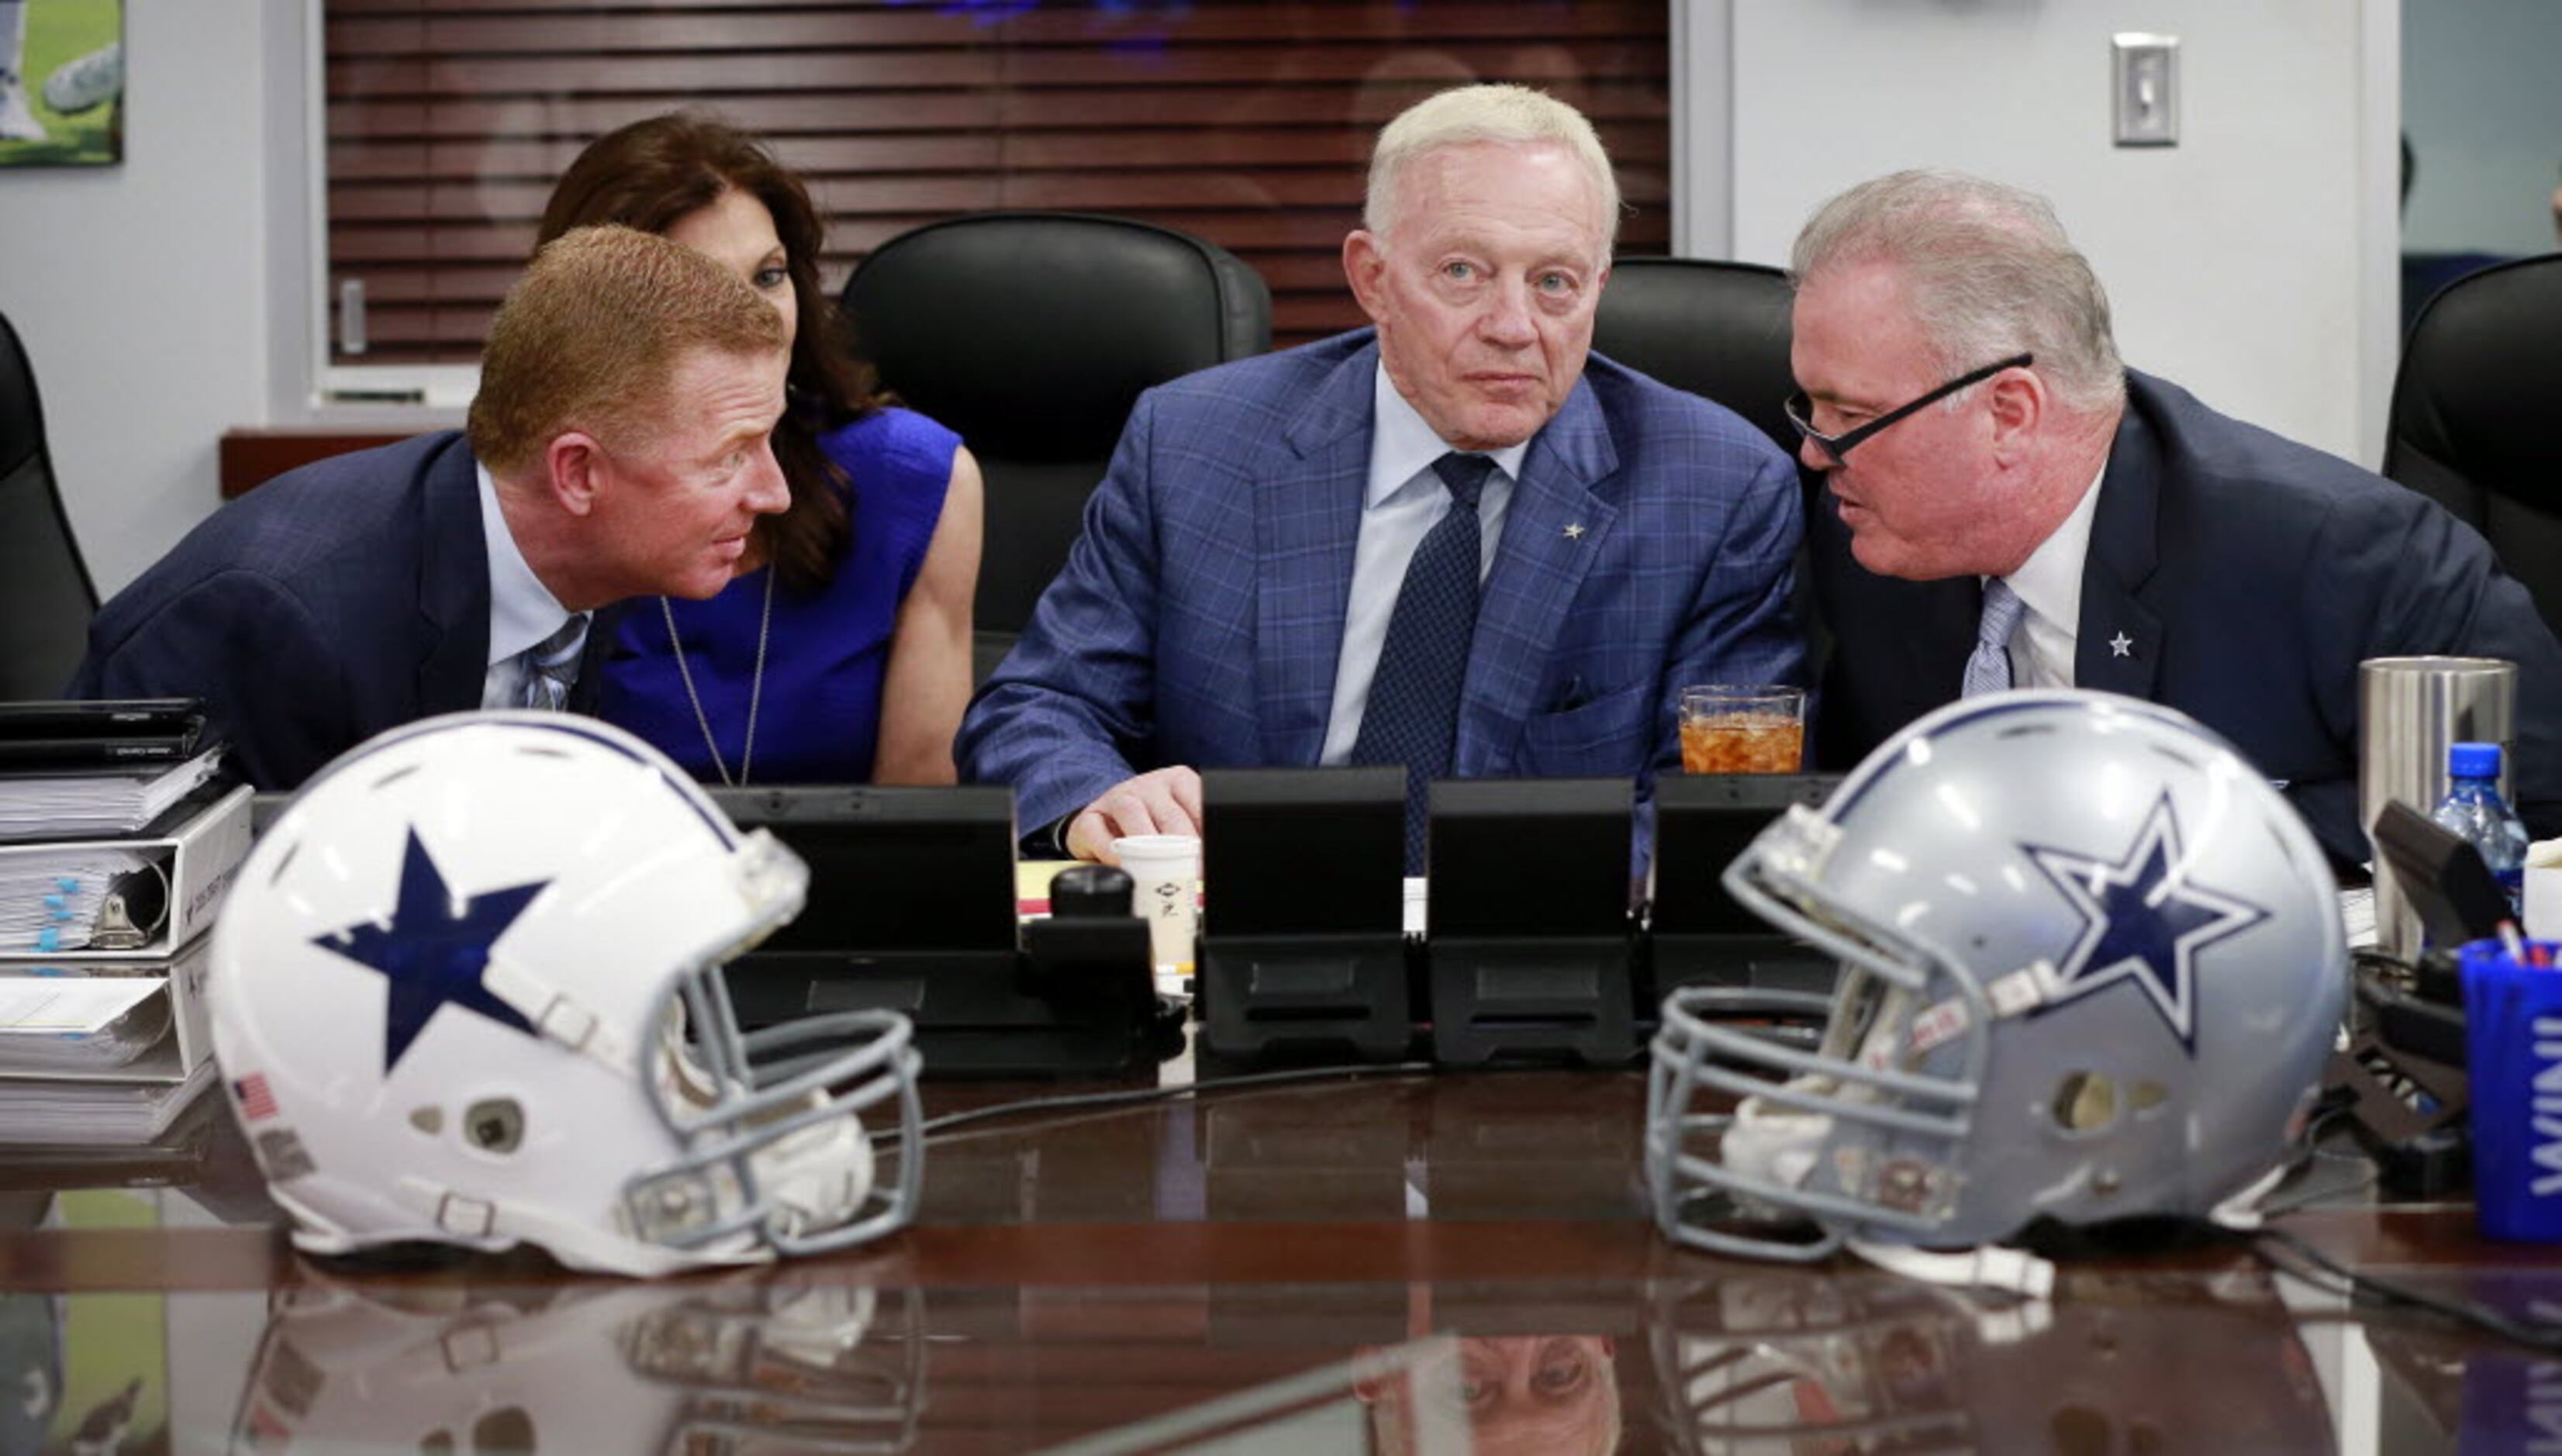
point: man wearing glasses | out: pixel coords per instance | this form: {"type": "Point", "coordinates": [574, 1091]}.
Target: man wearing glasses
{"type": "Point", "coordinates": [2010, 507]}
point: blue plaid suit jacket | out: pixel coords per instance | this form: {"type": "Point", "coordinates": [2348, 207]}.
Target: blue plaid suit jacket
{"type": "Point", "coordinates": [1200, 613]}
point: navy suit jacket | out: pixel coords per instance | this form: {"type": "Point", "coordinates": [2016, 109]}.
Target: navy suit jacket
{"type": "Point", "coordinates": [2247, 576]}
{"type": "Point", "coordinates": [1200, 613]}
{"type": "Point", "coordinates": [326, 605]}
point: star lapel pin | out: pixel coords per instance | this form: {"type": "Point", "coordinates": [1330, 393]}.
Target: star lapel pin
{"type": "Point", "coordinates": [2122, 644]}
{"type": "Point", "coordinates": [1575, 532]}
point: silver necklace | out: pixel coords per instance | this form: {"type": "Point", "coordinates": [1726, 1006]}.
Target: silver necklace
{"type": "Point", "coordinates": [755, 689]}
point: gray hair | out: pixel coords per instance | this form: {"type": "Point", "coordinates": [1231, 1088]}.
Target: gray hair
{"type": "Point", "coordinates": [1512, 114]}
{"type": "Point", "coordinates": [1991, 271]}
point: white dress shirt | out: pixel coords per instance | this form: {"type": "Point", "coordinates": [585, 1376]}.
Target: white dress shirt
{"type": "Point", "coordinates": [1404, 501]}
{"type": "Point", "coordinates": [2049, 583]}
{"type": "Point", "coordinates": [523, 611]}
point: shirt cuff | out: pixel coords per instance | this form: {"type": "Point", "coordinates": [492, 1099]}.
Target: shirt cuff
{"type": "Point", "coordinates": [1049, 842]}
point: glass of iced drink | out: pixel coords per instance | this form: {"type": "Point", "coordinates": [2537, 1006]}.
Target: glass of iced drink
{"type": "Point", "coordinates": [1729, 728]}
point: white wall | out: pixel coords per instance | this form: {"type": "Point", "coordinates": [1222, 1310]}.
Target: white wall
{"type": "Point", "coordinates": [142, 289]}
{"type": "Point", "coordinates": [2253, 263]}
{"type": "Point", "coordinates": [2481, 102]}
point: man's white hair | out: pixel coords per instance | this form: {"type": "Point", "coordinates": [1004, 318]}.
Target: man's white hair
{"type": "Point", "coordinates": [1989, 271]}
{"type": "Point", "coordinates": [1512, 114]}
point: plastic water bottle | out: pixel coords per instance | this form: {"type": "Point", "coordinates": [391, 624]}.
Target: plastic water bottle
{"type": "Point", "coordinates": [2474, 809]}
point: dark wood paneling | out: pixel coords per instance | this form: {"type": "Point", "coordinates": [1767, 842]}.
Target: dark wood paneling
{"type": "Point", "coordinates": [252, 457]}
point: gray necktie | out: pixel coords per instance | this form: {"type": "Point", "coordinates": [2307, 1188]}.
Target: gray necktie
{"type": "Point", "coordinates": [1989, 671]}
{"type": "Point", "coordinates": [551, 665]}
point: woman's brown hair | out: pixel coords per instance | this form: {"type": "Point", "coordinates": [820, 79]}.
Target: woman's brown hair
{"type": "Point", "coordinates": [653, 172]}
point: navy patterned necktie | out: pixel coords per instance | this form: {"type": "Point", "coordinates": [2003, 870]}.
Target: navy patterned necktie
{"type": "Point", "coordinates": [551, 665]}
{"type": "Point", "coordinates": [1412, 714]}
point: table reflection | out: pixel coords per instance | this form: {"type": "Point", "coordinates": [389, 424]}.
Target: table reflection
{"type": "Point", "coordinates": [1554, 1394]}
{"type": "Point", "coordinates": [1824, 1362]}
{"type": "Point", "coordinates": [1696, 1357]}
{"type": "Point", "coordinates": [1434, 1265]}
{"type": "Point", "coordinates": [742, 1366]}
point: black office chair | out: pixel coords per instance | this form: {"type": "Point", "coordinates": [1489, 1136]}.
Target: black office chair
{"type": "Point", "coordinates": [1717, 329]}
{"type": "Point", "coordinates": [1032, 335]}
{"type": "Point", "coordinates": [1722, 331]}
{"type": "Point", "coordinates": [46, 596]}
{"type": "Point", "coordinates": [2473, 406]}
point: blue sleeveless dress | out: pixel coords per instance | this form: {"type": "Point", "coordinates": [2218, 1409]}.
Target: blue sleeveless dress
{"type": "Point", "coordinates": [824, 656]}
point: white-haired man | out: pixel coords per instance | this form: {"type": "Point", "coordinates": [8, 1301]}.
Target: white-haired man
{"type": "Point", "coordinates": [2012, 506]}
{"type": "Point", "coordinates": [1444, 543]}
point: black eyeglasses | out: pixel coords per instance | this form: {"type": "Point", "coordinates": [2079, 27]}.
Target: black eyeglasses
{"type": "Point", "coordinates": [1801, 409]}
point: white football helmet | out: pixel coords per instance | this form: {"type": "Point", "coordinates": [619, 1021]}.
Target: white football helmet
{"type": "Point", "coordinates": [467, 990]}
{"type": "Point", "coordinates": [2092, 969]}
{"type": "Point", "coordinates": [681, 1368]}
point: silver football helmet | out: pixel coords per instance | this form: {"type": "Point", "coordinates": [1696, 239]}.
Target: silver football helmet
{"type": "Point", "coordinates": [2092, 969]}
{"type": "Point", "coordinates": [467, 990]}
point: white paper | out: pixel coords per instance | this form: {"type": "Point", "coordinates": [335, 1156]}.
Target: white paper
{"type": "Point", "coordinates": [79, 1024]}
{"type": "Point", "coordinates": [52, 900]}
{"type": "Point", "coordinates": [88, 1114]}
{"type": "Point", "coordinates": [2357, 916]}
{"type": "Point", "coordinates": [109, 802]}
{"type": "Point", "coordinates": [70, 1005]}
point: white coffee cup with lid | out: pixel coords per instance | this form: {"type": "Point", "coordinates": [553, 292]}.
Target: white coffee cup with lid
{"type": "Point", "coordinates": [1164, 890]}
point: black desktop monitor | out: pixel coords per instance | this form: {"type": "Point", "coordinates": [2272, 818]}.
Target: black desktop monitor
{"type": "Point", "coordinates": [1702, 823]}
{"type": "Point", "coordinates": [1303, 851]}
{"type": "Point", "coordinates": [912, 909]}
{"type": "Point", "coordinates": [1530, 944]}
{"type": "Point", "coordinates": [1698, 934]}
{"type": "Point", "coordinates": [1529, 858]}
{"type": "Point", "coordinates": [1303, 913]}
{"type": "Point", "coordinates": [892, 869]}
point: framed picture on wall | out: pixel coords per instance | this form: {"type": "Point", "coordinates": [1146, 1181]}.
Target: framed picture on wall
{"type": "Point", "coordinates": [62, 83]}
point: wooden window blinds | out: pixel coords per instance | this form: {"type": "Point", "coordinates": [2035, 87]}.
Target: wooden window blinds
{"type": "Point", "coordinates": [1242, 121]}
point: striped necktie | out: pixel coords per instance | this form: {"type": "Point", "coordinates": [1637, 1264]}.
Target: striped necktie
{"type": "Point", "coordinates": [551, 666]}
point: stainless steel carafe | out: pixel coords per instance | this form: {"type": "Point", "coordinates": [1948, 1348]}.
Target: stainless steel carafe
{"type": "Point", "coordinates": [2407, 710]}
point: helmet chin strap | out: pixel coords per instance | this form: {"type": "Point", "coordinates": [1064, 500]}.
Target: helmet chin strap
{"type": "Point", "coordinates": [2242, 1210]}
{"type": "Point", "coordinates": [2019, 1272]}
{"type": "Point", "coordinates": [1990, 1266]}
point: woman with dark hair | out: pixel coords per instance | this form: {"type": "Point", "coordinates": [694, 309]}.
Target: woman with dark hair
{"type": "Point", "coordinates": [840, 653]}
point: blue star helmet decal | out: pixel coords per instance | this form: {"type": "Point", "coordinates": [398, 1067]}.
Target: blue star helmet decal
{"type": "Point", "coordinates": [2143, 919]}
{"type": "Point", "coordinates": [434, 949]}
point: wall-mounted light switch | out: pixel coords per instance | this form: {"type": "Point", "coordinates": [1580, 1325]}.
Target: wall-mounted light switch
{"type": "Point", "coordinates": [2146, 72]}
{"type": "Point", "coordinates": [352, 316]}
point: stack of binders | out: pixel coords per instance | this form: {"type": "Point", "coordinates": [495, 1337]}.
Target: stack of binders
{"type": "Point", "coordinates": [119, 831]}
{"type": "Point", "coordinates": [99, 768]}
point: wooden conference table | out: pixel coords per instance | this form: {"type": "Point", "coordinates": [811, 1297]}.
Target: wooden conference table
{"type": "Point", "coordinates": [1426, 1262]}
{"type": "Point", "coordinates": [1300, 1268]}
